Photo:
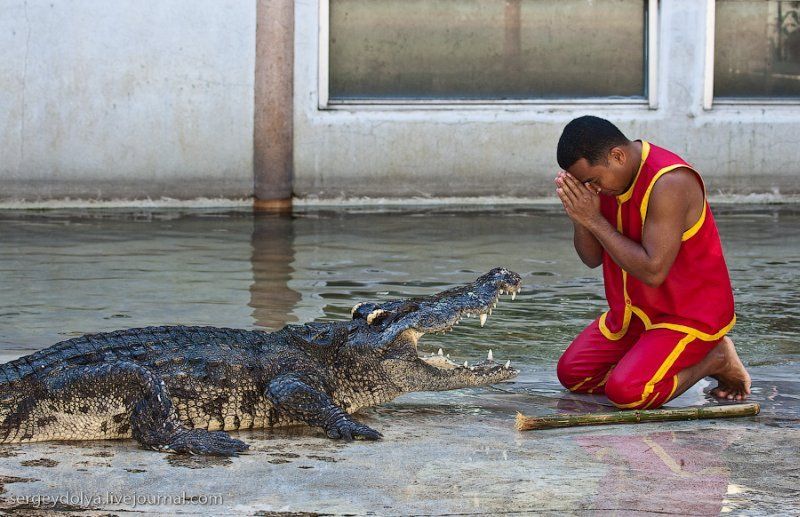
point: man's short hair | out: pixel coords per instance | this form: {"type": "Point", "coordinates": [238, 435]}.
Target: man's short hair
{"type": "Point", "coordinates": [588, 137]}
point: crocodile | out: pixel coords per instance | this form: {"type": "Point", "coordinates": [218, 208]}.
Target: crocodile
{"type": "Point", "coordinates": [180, 389]}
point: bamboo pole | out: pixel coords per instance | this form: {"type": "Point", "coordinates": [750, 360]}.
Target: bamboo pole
{"type": "Point", "coordinates": [527, 423]}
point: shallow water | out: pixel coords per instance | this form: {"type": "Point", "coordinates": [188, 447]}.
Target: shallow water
{"type": "Point", "coordinates": [72, 272]}
{"type": "Point", "coordinates": [68, 273]}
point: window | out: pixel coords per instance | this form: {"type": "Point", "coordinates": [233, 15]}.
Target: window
{"type": "Point", "coordinates": [412, 51]}
{"type": "Point", "coordinates": [757, 49]}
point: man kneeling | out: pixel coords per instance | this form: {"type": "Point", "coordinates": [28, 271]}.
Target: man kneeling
{"type": "Point", "coordinates": [641, 212]}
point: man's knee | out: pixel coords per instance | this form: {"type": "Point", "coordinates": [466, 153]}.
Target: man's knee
{"type": "Point", "coordinates": [625, 393]}
{"type": "Point", "coordinates": [565, 370]}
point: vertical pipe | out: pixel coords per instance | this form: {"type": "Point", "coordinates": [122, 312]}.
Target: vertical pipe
{"type": "Point", "coordinates": [274, 86]}
{"type": "Point", "coordinates": [652, 53]}
{"type": "Point", "coordinates": [708, 83]}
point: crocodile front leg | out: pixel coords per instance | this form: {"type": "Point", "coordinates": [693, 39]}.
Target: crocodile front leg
{"type": "Point", "coordinates": [300, 398]}
{"type": "Point", "coordinates": [153, 420]}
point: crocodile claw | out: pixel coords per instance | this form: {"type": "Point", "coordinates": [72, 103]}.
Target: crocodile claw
{"type": "Point", "coordinates": [349, 430]}
{"type": "Point", "coordinates": [200, 441]}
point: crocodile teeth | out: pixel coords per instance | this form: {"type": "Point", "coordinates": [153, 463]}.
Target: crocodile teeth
{"type": "Point", "coordinates": [490, 356]}
{"type": "Point", "coordinates": [440, 353]}
{"type": "Point", "coordinates": [483, 319]}
{"type": "Point", "coordinates": [513, 295]}
{"type": "Point", "coordinates": [508, 363]}
{"type": "Point", "coordinates": [466, 365]}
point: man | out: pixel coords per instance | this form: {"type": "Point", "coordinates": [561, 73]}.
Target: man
{"type": "Point", "coordinates": [641, 212]}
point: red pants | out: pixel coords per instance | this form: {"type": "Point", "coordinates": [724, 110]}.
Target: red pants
{"type": "Point", "coordinates": [638, 371]}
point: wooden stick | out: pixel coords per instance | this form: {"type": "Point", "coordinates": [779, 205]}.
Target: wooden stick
{"type": "Point", "coordinates": [527, 423]}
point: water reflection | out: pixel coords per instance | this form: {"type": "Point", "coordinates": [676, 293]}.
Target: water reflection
{"type": "Point", "coordinates": [677, 470]}
{"type": "Point", "coordinates": [271, 297]}
{"type": "Point", "coordinates": [67, 273]}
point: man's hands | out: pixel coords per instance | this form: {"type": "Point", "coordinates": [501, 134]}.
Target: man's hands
{"type": "Point", "coordinates": [676, 203]}
{"type": "Point", "coordinates": [581, 201]}
{"type": "Point", "coordinates": [582, 205]}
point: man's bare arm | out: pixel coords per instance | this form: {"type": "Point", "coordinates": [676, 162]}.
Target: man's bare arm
{"type": "Point", "coordinates": [672, 198]}
{"type": "Point", "coordinates": [588, 247]}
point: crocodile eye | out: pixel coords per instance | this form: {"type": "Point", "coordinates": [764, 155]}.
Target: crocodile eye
{"type": "Point", "coordinates": [354, 310]}
{"type": "Point", "coordinates": [376, 316]}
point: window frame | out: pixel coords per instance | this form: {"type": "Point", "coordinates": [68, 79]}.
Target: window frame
{"type": "Point", "coordinates": [709, 100]}
{"type": "Point", "coordinates": [649, 101]}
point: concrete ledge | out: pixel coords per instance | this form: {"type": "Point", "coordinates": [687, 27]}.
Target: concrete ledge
{"type": "Point", "coordinates": [177, 187]}
{"type": "Point", "coordinates": [300, 203]}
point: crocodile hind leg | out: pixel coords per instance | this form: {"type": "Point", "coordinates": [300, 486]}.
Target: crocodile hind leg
{"type": "Point", "coordinates": [301, 398]}
{"type": "Point", "coordinates": [153, 420]}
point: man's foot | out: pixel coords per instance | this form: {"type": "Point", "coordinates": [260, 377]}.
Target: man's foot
{"type": "Point", "coordinates": [733, 380]}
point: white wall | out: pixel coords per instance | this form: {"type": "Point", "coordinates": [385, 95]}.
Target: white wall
{"type": "Point", "coordinates": [402, 152]}
{"type": "Point", "coordinates": [126, 99]}
{"type": "Point", "coordinates": [133, 99]}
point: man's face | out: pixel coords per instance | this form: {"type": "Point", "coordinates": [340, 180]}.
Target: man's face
{"type": "Point", "coordinates": [612, 178]}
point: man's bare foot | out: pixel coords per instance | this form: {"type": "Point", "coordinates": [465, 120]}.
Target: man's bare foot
{"type": "Point", "coordinates": [733, 379]}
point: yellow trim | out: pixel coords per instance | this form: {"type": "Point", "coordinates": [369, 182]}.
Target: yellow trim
{"type": "Point", "coordinates": [672, 392]}
{"type": "Point", "coordinates": [626, 317]}
{"type": "Point", "coordinates": [702, 336]}
{"type": "Point", "coordinates": [688, 234]}
{"type": "Point", "coordinates": [646, 198]}
{"type": "Point", "coordinates": [628, 193]}
{"type": "Point", "coordinates": [605, 379]}
{"type": "Point", "coordinates": [584, 381]}
{"type": "Point", "coordinates": [615, 336]}
{"type": "Point", "coordinates": [661, 372]}
{"type": "Point", "coordinates": [674, 387]}
{"type": "Point", "coordinates": [649, 325]}
{"type": "Point", "coordinates": [652, 399]}
{"type": "Point", "coordinates": [619, 218]}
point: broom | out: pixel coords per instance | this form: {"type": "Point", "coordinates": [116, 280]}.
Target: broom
{"type": "Point", "coordinates": [527, 423]}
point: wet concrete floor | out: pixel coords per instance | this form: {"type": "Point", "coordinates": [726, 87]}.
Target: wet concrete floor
{"type": "Point", "coordinates": [458, 454]}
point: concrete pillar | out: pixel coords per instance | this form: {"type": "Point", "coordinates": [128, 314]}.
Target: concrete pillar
{"type": "Point", "coordinates": [274, 86]}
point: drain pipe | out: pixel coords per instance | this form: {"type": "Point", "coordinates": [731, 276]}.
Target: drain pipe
{"type": "Point", "coordinates": [273, 143]}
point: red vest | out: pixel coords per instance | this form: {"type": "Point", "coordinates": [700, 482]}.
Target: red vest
{"type": "Point", "coordinates": [696, 298]}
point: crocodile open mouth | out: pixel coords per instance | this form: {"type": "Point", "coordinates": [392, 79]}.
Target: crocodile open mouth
{"type": "Point", "coordinates": [401, 323]}
{"type": "Point", "coordinates": [488, 366]}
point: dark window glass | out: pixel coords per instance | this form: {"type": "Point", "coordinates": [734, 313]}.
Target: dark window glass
{"type": "Point", "coordinates": [757, 49]}
{"type": "Point", "coordinates": [487, 49]}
